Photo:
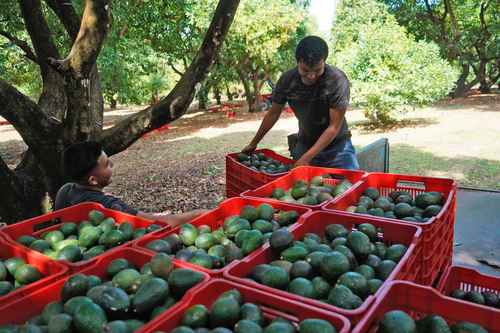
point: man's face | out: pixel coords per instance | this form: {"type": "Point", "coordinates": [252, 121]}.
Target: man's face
{"type": "Point", "coordinates": [311, 74]}
{"type": "Point", "coordinates": [102, 173]}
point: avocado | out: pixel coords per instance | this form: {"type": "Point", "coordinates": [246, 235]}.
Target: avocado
{"type": "Point", "coordinates": [225, 312]}
{"type": "Point", "coordinates": [216, 251]}
{"type": "Point", "coordinates": [402, 210]}
{"type": "Point", "coordinates": [395, 252]}
{"type": "Point", "coordinates": [432, 210]}
{"type": "Point", "coordinates": [356, 282]}
{"type": "Point", "coordinates": [265, 211]}
{"type": "Point", "coordinates": [298, 192]}
{"type": "Point", "coordinates": [237, 225]}
{"type": "Point", "coordinates": [380, 250]}
{"type": "Point", "coordinates": [367, 271]}
{"type": "Point", "coordinates": [181, 280]}
{"type": "Point", "coordinates": [203, 260]}
{"type": "Point", "coordinates": [316, 325]}
{"type": "Point", "coordinates": [26, 274]}
{"type": "Point", "coordinates": [195, 316]}
{"type": "Point", "coordinates": [127, 231]}
{"type": "Point", "coordinates": [302, 287]}
{"type": "Point", "coordinates": [111, 238]}
{"type": "Point", "coordinates": [491, 299]}
{"type": "Point", "coordinates": [89, 236]}
{"type": "Point", "coordinates": [280, 240]}
{"type": "Point", "coordinates": [183, 329]}
{"type": "Point", "coordinates": [76, 285]}
{"type": "Point", "coordinates": [234, 293]}
{"type": "Point", "coordinates": [370, 230]}
{"type": "Point", "coordinates": [26, 240]}
{"type": "Point", "coordinates": [262, 225]}
{"type": "Point", "coordinates": [5, 287]}
{"type": "Point", "coordinates": [250, 311]}
{"type": "Point", "coordinates": [374, 285]}
{"type": "Point", "coordinates": [384, 269]}
{"type": "Point", "coordinates": [247, 326]}
{"type": "Point", "coordinates": [126, 278]}
{"type": "Point", "coordinates": [188, 234]}
{"type": "Point", "coordinates": [333, 265]}
{"type": "Point", "coordinates": [458, 293]}
{"type": "Point", "coordinates": [93, 252]}
{"type": "Point", "coordinates": [53, 237]}
{"type": "Point", "coordinates": [50, 310]}
{"type": "Point", "coordinates": [301, 268]}
{"type": "Point", "coordinates": [280, 327]}
{"type": "Point", "coordinates": [96, 216]}
{"type": "Point", "coordinates": [71, 253]}
{"type": "Point", "coordinates": [232, 252]}
{"type": "Point", "coordinates": [344, 298]}
{"type": "Point", "coordinates": [275, 277]}
{"type": "Point", "coordinates": [205, 241]}
{"type": "Point", "coordinates": [404, 198]}
{"type": "Point", "coordinates": [475, 297]}
{"type": "Point", "coordinates": [116, 266]}
{"type": "Point", "coordinates": [423, 200]}
{"type": "Point", "coordinates": [348, 253]}
{"type": "Point", "coordinates": [383, 203]}
{"type": "Point", "coordinates": [286, 265]}
{"type": "Point", "coordinates": [251, 242]}
{"type": "Point", "coordinates": [397, 321]}
{"type": "Point", "coordinates": [372, 193]}
{"type": "Point", "coordinates": [175, 242]}
{"type": "Point", "coordinates": [133, 325]}
{"type": "Point", "coordinates": [159, 245]}
{"type": "Point", "coordinates": [249, 213]}
{"type": "Point", "coordinates": [466, 327]}
{"type": "Point", "coordinates": [432, 324]}
{"type": "Point", "coordinates": [278, 193]}
{"type": "Point", "coordinates": [150, 294]}
{"type": "Point", "coordinates": [139, 232]}
{"type": "Point", "coordinates": [90, 318]}
{"type": "Point", "coordinates": [333, 231]}
{"type": "Point", "coordinates": [321, 287]}
{"type": "Point", "coordinates": [40, 245]}
{"type": "Point", "coordinates": [73, 303]}
{"type": "Point", "coordinates": [294, 253]}
{"type": "Point", "coordinates": [112, 300]}
{"type": "Point", "coordinates": [359, 243]}
{"type": "Point", "coordinates": [286, 218]}
{"type": "Point", "coordinates": [117, 326]}
{"type": "Point", "coordinates": [361, 210]}
{"type": "Point", "coordinates": [338, 241]}
{"type": "Point", "coordinates": [60, 323]}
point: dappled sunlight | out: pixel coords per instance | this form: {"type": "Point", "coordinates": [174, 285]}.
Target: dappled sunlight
{"type": "Point", "coordinates": [192, 115]}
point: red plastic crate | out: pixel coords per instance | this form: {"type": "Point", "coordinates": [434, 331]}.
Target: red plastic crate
{"type": "Point", "coordinates": [316, 222]}
{"type": "Point", "coordinates": [306, 173]}
{"type": "Point", "coordinates": [467, 279]}
{"type": "Point", "coordinates": [437, 233]}
{"type": "Point", "coordinates": [32, 304]}
{"type": "Point", "coordinates": [419, 301]}
{"type": "Point", "coordinates": [240, 178]}
{"type": "Point", "coordinates": [38, 225]}
{"type": "Point", "coordinates": [215, 219]}
{"type": "Point", "coordinates": [50, 269]}
{"type": "Point", "coordinates": [272, 306]}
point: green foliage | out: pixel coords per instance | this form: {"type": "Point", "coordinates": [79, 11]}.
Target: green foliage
{"type": "Point", "coordinates": [388, 69]}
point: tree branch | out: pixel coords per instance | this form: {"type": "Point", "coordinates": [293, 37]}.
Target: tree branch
{"type": "Point", "coordinates": [173, 106]}
{"type": "Point", "coordinates": [33, 125]}
{"type": "Point", "coordinates": [23, 45]}
{"type": "Point", "coordinates": [88, 43]}
{"type": "Point", "coordinates": [67, 15]}
{"type": "Point", "coordinates": [175, 69]}
{"type": "Point", "coordinates": [39, 32]}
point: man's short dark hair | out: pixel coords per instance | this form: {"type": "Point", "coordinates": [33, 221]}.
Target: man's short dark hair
{"type": "Point", "coordinates": [81, 158]}
{"type": "Point", "coordinates": [311, 50]}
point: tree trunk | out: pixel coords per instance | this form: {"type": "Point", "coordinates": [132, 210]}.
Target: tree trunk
{"type": "Point", "coordinates": [203, 97]}
{"type": "Point", "coordinates": [248, 90]}
{"type": "Point", "coordinates": [70, 108]}
{"type": "Point", "coordinates": [217, 95]}
{"type": "Point", "coordinates": [229, 94]}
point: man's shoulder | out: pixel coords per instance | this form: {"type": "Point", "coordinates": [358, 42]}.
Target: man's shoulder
{"type": "Point", "coordinates": [289, 75]}
{"type": "Point", "coordinates": [334, 73]}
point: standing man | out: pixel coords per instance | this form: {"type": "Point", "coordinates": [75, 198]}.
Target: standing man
{"type": "Point", "coordinates": [319, 96]}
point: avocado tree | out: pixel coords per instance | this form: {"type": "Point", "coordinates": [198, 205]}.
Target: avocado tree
{"type": "Point", "coordinates": [70, 106]}
{"type": "Point", "coordinates": [388, 69]}
{"type": "Point", "coordinates": [467, 32]}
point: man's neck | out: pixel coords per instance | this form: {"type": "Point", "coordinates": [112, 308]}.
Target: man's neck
{"type": "Point", "coordinates": [91, 187]}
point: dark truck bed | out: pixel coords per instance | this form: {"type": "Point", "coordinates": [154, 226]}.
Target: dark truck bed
{"type": "Point", "coordinates": [477, 230]}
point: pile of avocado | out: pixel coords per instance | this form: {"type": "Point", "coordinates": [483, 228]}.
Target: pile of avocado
{"type": "Point", "coordinates": [342, 269]}
{"type": "Point", "coordinates": [229, 314]}
{"type": "Point", "coordinates": [74, 242]}
{"type": "Point", "coordinates": [397, 321]}
{"type": "Point", "coordinates": [240, 235]}
{"type": "Point", "coordinates": [15, 273]}
{"type": "Point", "coordinates": [262, 163]}
{"type": "Point", "coordinates": [487, 298]}
{"type": "Point", "coordinates": [123, 304]}
{"type": "Point", "coordinates": [313, 193]}
{"type": "Point", "coordinates": [399, 205]}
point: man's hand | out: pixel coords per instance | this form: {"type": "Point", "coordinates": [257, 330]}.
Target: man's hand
{"type": "Point", "coordinates": [301, 162]}
{"type": "Point", "coordinates": [249, 148]}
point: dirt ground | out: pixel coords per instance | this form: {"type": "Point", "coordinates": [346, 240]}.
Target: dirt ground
{"type": "Point", "coordinates": [183, 167]}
